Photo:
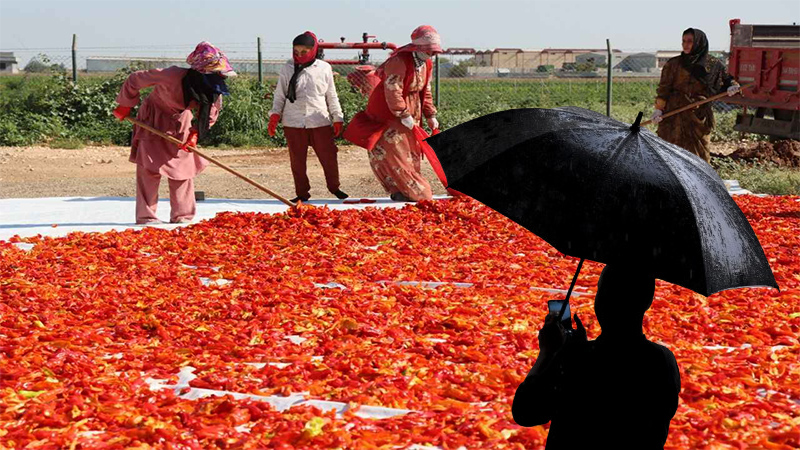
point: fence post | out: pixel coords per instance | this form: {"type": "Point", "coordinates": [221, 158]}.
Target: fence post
{"type": "Point", "coordinates": [437, 80]}
{"type": "Point", "coordinates": [260, 74]}
{"type": "Point", "coordinates": [610, 62]}
{"type": "Point", "coordinates": [74, 58]}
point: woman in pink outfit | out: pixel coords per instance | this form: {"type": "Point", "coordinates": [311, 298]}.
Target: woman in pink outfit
{"type": "Point", "coordinates": [169, 108]}
{"type": "Point", "coordinates": [398, 104]}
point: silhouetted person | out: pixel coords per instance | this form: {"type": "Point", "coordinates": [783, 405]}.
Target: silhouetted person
{"type": "Point", "coordinates": [619, 391]}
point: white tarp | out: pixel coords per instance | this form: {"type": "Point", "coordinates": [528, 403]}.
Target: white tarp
{"type": "Point", "coordinates": [31, 216]}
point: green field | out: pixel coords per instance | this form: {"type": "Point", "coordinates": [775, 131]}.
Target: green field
{"type": "Point", "coordinates": [49, 109]}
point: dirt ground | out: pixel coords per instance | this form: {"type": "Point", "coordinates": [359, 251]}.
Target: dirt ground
{"type": "Point", "coordinates": [105, 171]}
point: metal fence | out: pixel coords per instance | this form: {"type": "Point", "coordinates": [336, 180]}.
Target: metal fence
{"type": "Point", "coordinates": [467, 84]}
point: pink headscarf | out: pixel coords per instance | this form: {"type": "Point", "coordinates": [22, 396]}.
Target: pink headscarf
{"type": "Point", "coordinates": [424, 38]}
{"type": "Point", "coordinates": [209, 59]}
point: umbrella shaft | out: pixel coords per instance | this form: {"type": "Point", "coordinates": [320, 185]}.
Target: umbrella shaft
{"type": "Point", "coordinates": [569, 292]}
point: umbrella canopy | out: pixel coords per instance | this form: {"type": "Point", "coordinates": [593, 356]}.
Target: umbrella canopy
{"type": "Point", "coordinates": [599, 189]}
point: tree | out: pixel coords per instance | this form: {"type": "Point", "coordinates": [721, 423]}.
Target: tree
{"type": "Point", "coordinates": [42, 63]}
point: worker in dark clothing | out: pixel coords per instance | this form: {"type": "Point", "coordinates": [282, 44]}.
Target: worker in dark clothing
{"type": "Point", "coordinates": [619, 391]}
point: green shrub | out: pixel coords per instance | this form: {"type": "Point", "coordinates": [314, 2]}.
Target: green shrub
{"type": "Point", "coordinates": [40, 108]}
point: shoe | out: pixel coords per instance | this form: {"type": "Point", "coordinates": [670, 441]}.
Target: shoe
{"type": "Point", "coordinates": [298, 198]}
{"type": "Point", "coordinates": [340, 194]}
{"type": "Point", "coordinates": [400, 197]}
{"type": "Point", "coordinates": [181, 220]}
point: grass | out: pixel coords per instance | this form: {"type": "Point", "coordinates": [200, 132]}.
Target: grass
{"type": "Point", "coordinates": [51, 110]}
{"type": "Point", "coordinates": [67, 143]}
{"type": "Point", "coordinates": [759, 177]}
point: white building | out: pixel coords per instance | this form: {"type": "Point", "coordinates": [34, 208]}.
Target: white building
{"type": "Point", "coordinates": [8, 63]}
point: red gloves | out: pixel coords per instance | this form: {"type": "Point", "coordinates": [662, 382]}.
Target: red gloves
{"type": "Point", "coordinates": [191, 141]}
{"type": "Point", "coordinates": [337, 129]}
{"type": "Point", "coordinates": [273, 124]}
{"type": "Point", "coordinates": [121, 112]}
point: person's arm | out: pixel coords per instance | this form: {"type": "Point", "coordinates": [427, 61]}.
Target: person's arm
{"type": "Point", "coordinates": [535, 398]}
{"type": "Point", "coordinates": [729, 83]}
{"type": "Point", "coordinates": [216, 107]}
{"type": "Point", "coordinates": [395, 70]}
{"type": "Point", "coordinates": [129, 93]}
{"type": "Point", "coordinates": [428, 108]}
{"type": "Point", "coordinates": [332, 98]}
{"type": "Point", "coordinates": [665, 85]}
{"type": "Point", "coordinates": [674, 384]}
{"type": "Point", "coordinates": [279, 97]}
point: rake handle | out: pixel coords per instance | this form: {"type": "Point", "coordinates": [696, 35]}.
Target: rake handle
{"type": "Point", "coordinates": [695, 104]}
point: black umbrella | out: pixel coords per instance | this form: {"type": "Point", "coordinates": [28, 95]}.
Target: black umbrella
{"type": "Point", "coordinates": [599, 189]}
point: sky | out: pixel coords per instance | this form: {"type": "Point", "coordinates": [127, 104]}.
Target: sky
{"type": "Point", "coordinates": [170, 27]}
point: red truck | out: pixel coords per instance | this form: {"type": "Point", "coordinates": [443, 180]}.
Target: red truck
{"type": "Point", "coordinates": [768, 57]}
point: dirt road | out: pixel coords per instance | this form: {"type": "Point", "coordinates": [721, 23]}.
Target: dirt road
{"type": "Point", "coordinates": [105, 171]}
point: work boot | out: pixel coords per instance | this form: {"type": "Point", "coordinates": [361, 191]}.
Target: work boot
{"type": "Point", "coordinates": [298, 198]}
{"type": "Point", "coordinates": [400, 197]}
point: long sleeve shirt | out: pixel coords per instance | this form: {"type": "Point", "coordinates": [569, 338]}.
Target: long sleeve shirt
{"type": "Point", "coordinates": [317, 104]}
{"type": "Point", "coordinates": [410, 105]}
{"type": "Point", "coordinates": [165, 110]}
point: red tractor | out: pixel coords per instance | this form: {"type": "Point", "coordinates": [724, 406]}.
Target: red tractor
{"type": "Point", "coordinates": [363, 78]}
{"type": "Point", "coordinates": [767, 57]}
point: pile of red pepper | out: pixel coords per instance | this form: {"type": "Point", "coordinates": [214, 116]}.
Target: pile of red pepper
{"type": "Point", "coordinates": [86, 319]}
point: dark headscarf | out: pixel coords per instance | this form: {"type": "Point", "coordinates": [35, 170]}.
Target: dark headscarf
{"type": "Point", "coordinates": [307, 39]}
{"type": "Point", "coordinates": [703, 67]}
{"type": "Point", "coordinates": [204, 89]}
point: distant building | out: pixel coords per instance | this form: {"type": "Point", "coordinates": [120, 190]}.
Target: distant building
{"type": "Point", "coordinates": [517, 58]}
{"type": "Point", "coordinates": [638, 62]}
{"type": "Point", "coordinates": [8, 63]}
{"type": "Point", "coordinates": [601, 59]}
{"type": "Point", "coordinates": [665, 55]}
{"type": "Point", "coordinates": [459, 51]}
{"type": "Point", "coordinates": [112, 64]}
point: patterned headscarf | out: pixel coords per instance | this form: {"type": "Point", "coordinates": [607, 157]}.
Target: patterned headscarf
{"type": "Point", "coordinates": [209, 59]}
{"type": "Point", "coordinates": [704, 67]}
{"type": "Point", "coordinates": [424, 38]}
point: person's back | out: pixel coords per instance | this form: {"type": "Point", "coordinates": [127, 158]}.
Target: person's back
{"type": "Point", "coordinates": [619, 391]}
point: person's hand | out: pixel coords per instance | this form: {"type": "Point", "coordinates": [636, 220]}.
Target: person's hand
{"type": "Point", "coordinates": [191, 141]}
{"type": "Point", "coordinates": [433, 123]}
{"type": "Point", "coordinates": [733, 90]}
{"type": "Point", "coordinates": [656, 117]}
{"type": "Point", "coordinates": [121, 112]}
{"type": "Point", "coordinates": [579, 333]}
{"type": "Point", "coordinates": [551, 336]}
{"type": "Point", "coordinates": [408, 122]}
{"type": "Point", "coordinates": [337, 129]}
{"type": "Point", "coordinates": [272, 128]}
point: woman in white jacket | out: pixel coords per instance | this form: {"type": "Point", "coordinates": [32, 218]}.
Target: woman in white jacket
{"type": "Point", "coordinates": [312, 116]}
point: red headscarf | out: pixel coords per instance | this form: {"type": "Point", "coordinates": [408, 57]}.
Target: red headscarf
{"type": "Point", "coordinates": [307, 39]}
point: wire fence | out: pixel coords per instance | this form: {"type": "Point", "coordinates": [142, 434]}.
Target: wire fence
{"type": "Point", "coordinates": [467, 83]}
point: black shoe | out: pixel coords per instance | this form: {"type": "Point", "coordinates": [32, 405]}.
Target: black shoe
{"type": "Point", "coordinates": [400, 197]}
{"type": "Point", "coordinates": [340, 194]}
{"type": "Point", "coordinates": [298, 198]}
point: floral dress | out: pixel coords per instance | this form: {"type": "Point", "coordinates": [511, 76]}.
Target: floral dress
{"type": "Point", "coordinates": [396, 158]}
